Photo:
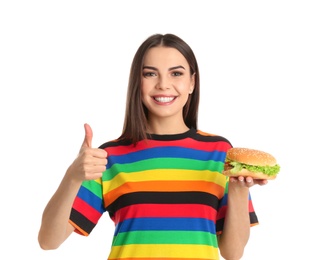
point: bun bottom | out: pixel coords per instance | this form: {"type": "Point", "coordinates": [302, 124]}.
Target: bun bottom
{"type": "Point", "coordinates": [245, 173]}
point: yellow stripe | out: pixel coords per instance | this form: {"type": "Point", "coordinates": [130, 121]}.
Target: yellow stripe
{"type": "Point", "coordinates": [166, 174]}
{"type": "Point", "coordinates": [153, 250]}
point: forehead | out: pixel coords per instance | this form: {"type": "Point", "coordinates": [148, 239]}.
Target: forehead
{"type": "Point", "coordinates": [164, 56]}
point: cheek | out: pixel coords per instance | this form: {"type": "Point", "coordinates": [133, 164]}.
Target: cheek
{"type": "Point", "coordinates": [143, 91]}
{"type": "Point", "coordinates": [144, 94]}
{"type": "Point", "coordinates": [145, 86]}
{"type": "Point", "coordinates": [185, 88]}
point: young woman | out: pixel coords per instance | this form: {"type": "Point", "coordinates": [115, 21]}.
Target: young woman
{"type": "Point", "coordinates": [161, 181]}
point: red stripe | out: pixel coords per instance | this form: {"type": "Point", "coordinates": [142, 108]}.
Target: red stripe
{"type": "Point", "coordinates": [250, 206]}
{"type": "Point", "coordinates": [88, 211]}
{"type": "Point", "coordinates": [188, 143]}
{"type": "Point", "coordinates": [165, 210]}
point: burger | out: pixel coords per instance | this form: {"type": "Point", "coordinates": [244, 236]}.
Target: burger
{"type": "Point", "coordinates": [250, 162]}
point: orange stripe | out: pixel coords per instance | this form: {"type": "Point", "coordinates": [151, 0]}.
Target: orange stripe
{"type": "Point", "coordinates": [78, 229]}
{"type": "Point", "coordinates": [165, 186]}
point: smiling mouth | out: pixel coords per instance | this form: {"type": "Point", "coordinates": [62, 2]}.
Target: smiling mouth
{"type": "Point", "coordinates": [164, 99]}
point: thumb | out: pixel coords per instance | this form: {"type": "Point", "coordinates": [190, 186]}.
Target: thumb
{"type": "Point", "coordinates": [88, 136]}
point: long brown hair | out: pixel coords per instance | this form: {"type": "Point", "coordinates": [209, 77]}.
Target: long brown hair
{"type": "Point", "coordinates": [135, 120]}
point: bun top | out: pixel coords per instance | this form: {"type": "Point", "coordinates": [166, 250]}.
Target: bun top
{"type": "Point", "coordinates": [251, 156]}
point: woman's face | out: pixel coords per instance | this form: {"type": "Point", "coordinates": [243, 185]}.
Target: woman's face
{"type": "Point", "coordinates": [166, 83]}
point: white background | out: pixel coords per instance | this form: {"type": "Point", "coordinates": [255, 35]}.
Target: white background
{"type": "Point", "coordinates": [64, 63]}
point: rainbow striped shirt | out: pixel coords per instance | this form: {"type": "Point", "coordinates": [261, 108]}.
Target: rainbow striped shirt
{"type": "Point", "coordinates": [167, 197]}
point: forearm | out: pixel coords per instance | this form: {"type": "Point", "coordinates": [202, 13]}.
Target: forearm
{"type": "Point", "coordinates": [236, 229]}
{"type": "Point", "coordinates": [55, 227]}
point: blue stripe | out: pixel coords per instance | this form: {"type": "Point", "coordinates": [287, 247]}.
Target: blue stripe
{"type": "Point", "coordinates": [166, 152]}
{"type": "Point", "coordinates": [91, 199]}
{"type": "Point", "coordinates": [184, 224]}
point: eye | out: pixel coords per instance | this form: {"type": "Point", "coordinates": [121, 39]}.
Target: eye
{"type": "Point", "coordinates": [177, 73]}
{"type": "Point", "coordinates": [149, 74]}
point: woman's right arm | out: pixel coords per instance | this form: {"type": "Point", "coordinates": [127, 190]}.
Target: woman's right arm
{"type": "Point", "coordinates": [89, 165]}
{"type": "Point", "coordinates": [55, 227]}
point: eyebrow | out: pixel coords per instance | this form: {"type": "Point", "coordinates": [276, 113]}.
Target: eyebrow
{"type": "Point", "coordinates": [172, 68]}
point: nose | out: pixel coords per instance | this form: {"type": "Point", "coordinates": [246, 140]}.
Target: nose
{"type": "Point", "coordinates": [163, 83]}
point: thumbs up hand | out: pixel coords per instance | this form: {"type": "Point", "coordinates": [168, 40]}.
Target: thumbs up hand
{"type": "Point", "coordinates": [90, 162]}
{"type": "Point", "coordinates": [88, 136]}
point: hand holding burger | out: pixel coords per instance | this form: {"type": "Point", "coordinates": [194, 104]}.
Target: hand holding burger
{"type": "Point", "coordinates": [250, 162]}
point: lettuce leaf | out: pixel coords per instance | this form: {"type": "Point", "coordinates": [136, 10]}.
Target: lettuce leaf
{"type": "Point", "coordinates": [269, 170]}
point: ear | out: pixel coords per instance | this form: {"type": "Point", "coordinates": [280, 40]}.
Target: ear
{"type": "Point", "coordinates": [192, 83]}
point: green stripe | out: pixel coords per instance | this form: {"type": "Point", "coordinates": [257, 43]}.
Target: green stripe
{"type": "Point", "coordinates": [162, 163]}
{"type": "Point", "coordinates": [165, 237]}
{"type": "Point", "coordinates": [93, 187]}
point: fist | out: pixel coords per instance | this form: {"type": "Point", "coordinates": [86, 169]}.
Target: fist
{"type": "Point", "coordinates": [90, 162]}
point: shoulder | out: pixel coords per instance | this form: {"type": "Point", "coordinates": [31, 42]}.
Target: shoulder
{"type": "Point", "coordinates": [114, 143]}
{"type": "Point", "coordinates": [209, 141]}
{"type": "Point", "coordinates": [211, 137]}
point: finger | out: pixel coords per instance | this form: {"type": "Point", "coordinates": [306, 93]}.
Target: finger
{"type": "Point", "coordinates": [87, 142]}
{"type": "Point", "coordinates": [99, 153]}
{"type": "Point", "coordinates": [94, 169]}
{"type": "Point", "coordinates": [91, 161]}
{"type": "Point", "coordinates": [249, 179]}
{"type": "Point", "coordinates": [233, 179]}
{"type": "Point", "coordinates": [262, 182]}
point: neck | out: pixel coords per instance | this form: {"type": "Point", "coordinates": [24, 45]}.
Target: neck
{"type": "Point", "coordinates": [167, 127]}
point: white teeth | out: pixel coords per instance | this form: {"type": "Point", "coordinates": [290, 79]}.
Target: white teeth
{"type": "Point", "coordinates": [164, 99]}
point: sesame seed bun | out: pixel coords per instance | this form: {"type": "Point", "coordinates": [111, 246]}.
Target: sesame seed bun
{"type": "Point", "coordinates": [250, 157]}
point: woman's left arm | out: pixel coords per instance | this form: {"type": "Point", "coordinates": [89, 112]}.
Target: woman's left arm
{"type": "Point", "coordinates": [236, 230]}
